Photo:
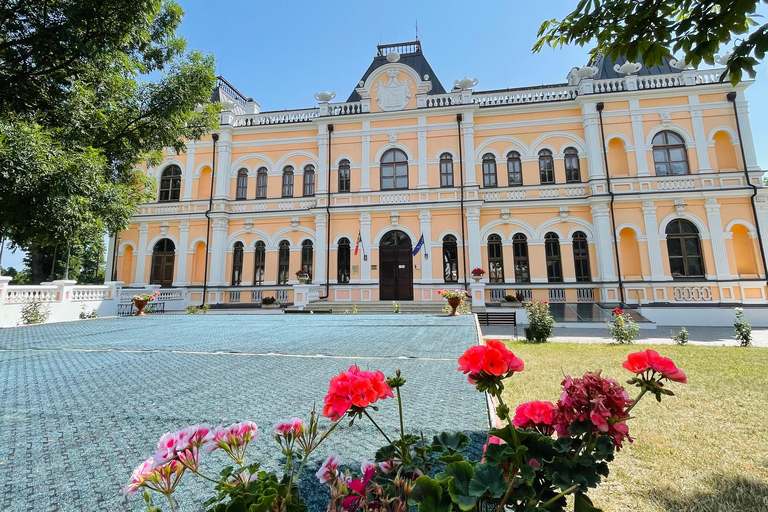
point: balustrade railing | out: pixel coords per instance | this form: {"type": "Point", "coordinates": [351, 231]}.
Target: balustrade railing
{"type": "Point", "coordinates": [281, 295]}
{"type": "Point", "coordinates": [557, 295]}
{"type": "Point", "coordinates": [31, 293]}
{"type": "Point", "coordinates": [585, 294]}
{"type": "Point", "coordinates": [394, 198]}
{"type": "Point", "coordinates": [341, 109]}
{"type": "Point", "coordinates": [692, 293]}
{"type": "Point", "coordinates": [442, 100]}
{"type": "Point", "coordinates": [676, 184]}
{"type": "Point", "coordinates": [85, 292]}
{"type": "Point", "coordinates": [527, 293]}
{"type": "Point", "coordinates": [520, 96]}
{"type": "Point", "coordinates": [284, 117]}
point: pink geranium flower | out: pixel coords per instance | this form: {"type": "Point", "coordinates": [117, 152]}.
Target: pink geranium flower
{"type": "Point", "coordinates": [536, 415]}
{"type": "Point", "coordinates": [329, 470]}
{"type": "Point", "coordinates": [354, 388]}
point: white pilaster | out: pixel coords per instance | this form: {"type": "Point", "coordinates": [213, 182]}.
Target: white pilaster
{"type": "Point", "coordinates": [141, 254]}
{"type": "Point", "coordinates": [223, 164]}
{"type": "Point", "coordinates": [653, 242]}
{"type": "Point", "coordinates": [365, 236]}
{"type": "Point", "coordinates": [699, 135]}
{"type": "Point", "coordinates": [321, 225]}
{"type": "Point", "coordinates": [594, 149]}
{"type": "Point", "coordinates": [469, 149]}
{"type": "Point", "coordinates": [718, 239]}
{"type": "Point", "coordinates": [641, 155]}
{"type": "Point", "coordinates": [606, 266]}
{"type": "Point", "coordinates": [761, 205]}
{"type": "Point", "coordinates": [422, 151]}
{"type": "Point", "coordinates": [181, 252]}
{"type": "Point", "coordinates": [322, 160]}
{"type": "Point", "coordinates": [218, 251]}
{"type": "Point", "coordinates": [473, 239]}
{"type": "Point", "coordinates": [426, 250]}
{"type": "Point", "coordinates": [365, 167]}
{"type": "Point", "coordinates": [746, 132]}
{"type": "Point", "coordinates": [189, 172]}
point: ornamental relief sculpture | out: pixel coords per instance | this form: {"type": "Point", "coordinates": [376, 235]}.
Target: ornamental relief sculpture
{"type": "Point", "coordinates": [393, 95]}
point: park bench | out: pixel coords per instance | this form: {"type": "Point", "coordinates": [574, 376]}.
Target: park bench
{"type": "Point", "coordinates": [505, 318]}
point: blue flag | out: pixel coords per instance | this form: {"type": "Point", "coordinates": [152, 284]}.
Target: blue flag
{"type": "Point", "coordinates": [418, 245]}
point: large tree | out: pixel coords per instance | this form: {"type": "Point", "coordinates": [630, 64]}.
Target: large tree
{"type": "Point", "coordinates": [89, 89]}
{"type": "Point", "coordinates": [653, 29]}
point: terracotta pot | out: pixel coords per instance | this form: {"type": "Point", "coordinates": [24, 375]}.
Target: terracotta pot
{"type": "Point", "coordinates": [454, 303]}
{"type": "Point", "coordinates": [140, 305]}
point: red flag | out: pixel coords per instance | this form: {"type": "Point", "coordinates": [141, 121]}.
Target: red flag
{"type": "Point", "coordinates": [357, 244]}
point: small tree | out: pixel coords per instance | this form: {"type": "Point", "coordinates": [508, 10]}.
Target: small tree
{"type": "Point", "coordinates": [680, 338]}
{"type": "Point", "coordinates": [541, 323]}
{"type": "Point", "coordinates": [623, 329]}
{"type": "Point", "coordinates": [742, 331]}
{"type": "Point", "coordinates": [35, 312]}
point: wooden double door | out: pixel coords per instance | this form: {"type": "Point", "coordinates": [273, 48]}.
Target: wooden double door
{"type": "Point", "coordinates": [395, 267]}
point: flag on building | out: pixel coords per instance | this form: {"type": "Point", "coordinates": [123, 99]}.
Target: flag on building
{"type": "Point", "coordinates": [357, 244]}
{"type": "Point", "coordinates": [418, 245]}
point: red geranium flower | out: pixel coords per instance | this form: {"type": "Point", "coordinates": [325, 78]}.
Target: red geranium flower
{"type": "Point", "coordinates": [536, 415]}
{"type": "Point", "coordinates": [640, 362]}
{"type": "Point", "coordinates": [493, 359]}
{"type": "Point", "coordinates": [617, 311]}
{"type": "Point", "coordinates": [354, 388]}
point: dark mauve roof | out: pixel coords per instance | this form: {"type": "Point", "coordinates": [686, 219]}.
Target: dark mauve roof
{"type": "Point", "coordinates": [605, 67]}
{"type": "Point", "coordinates": [416, 60]}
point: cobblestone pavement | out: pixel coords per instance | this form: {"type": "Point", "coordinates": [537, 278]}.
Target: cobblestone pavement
{"type": "Point", "coordinates": [84, 402]}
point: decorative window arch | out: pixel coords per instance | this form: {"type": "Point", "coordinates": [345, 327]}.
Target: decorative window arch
{"type": "Point", "coordinates": [307, 257]}
{"type": "Point", "coordinates": [554, 265]}
{"type": "Point", "coordinates": [394, 170]}
{"type": "Point", "coordinates": [446, 170]}
{"type": "Point", "coordinates": [261, 183]}
{"type": "Point", "coordinates": [669, 154]}
{"type": "Point", "coordinates": [344, 177]}
{"type": "Point", "coordinates": [242, 184]}
{"type": "Point", "coordinates": [259, 259]}
{"type": "Point", "coordinates": [522, 266]}
{"type": "Point", "coordinates": [581, 257]}
{"type": "Point", "coordinates": [343, 257]}
{"type": "Point", "coordinates": [170, 184]}
{"type": "Point", "coordinates": [309, 180]}
{"type": "Point", "coordinates": [237, 264]}
{"type": "Point", "coordinates": [572, 166]}
{"type": "Point", "coordinates": [684, 249]}
{"type": "Point", "coordinates": [495, 260]}
{"type": "Point", "coordinates": [288, 181]}
{"type": "Point", "coordinates": [514, 169]}
{"type": "Point", "coordinates": [450, 259]}
{"type": "Point", "coordinates": [283, 261]}
{"type": "Point", "coordinates": [546, 167]}
{"type": "Point", "coordinates": [163, 258]}
{"type": "Point", "coordinates": [489, 170]}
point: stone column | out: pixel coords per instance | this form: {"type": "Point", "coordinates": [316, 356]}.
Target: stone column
{"type": "Point", "coordinates": [473, 239]}
{"type": "Point", "coordinates": [653, 242]}
{"type": "Point", "coordinates": [322, 160]}
{"type": "Point", "coordinates": [566, 260]}
{"type": "Point", "coordinates": [218, 253]}
{"type": "Point", "coordinates": [426, 250]}
{"type": "Point", "coordinates": [189, 173]}
{"type": "Point", "coordinates": [422, 151]}
{"type": "Point", "coordinates": [4, 280]}
{"type": "Point", "coordinates": [181, 251]}
{"type": "Point", "coordinates": [469, 149]}
{"type": "Point", "coordinates": [365, 163]}
{"type": "Point", "coordinates": [761, 204]}
{"type": "Point", "coordinates": [606, 266]}
{"type": "Point", "coordinates": [223, 164]}
{"type": "Point", "coordinates": [141, 255]}
{"type": "Point", "coordinates": [717, 238]}
{"type": "Point", "coordinates": [746, 132]}
{"type": "Point", "coordinates": [365, 236]}
{"type": "Point", "coordinates": [594, 147]}
{"type": "Point", "coordinates": [477, 294]}
{"type": "Point", "coordinates": [641, 155]}
{"type": "Point", "coordinates": [321, 225]}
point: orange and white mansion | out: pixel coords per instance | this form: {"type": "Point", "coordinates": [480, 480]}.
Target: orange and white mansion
{"type": "Point", "coordinates": [623, 184]}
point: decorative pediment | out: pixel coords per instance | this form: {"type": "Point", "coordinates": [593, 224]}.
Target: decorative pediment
{"type": "Point", "coordinates": [393, 94]}
{"type": "Point", "coordinates": [392, 86]}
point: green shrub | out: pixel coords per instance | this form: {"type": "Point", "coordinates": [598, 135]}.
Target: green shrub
{"type": "Point", "coordinates": [680, 338]}
{"type": "Point", "coordinates": [742, 330]}
{"type": "Point", "coordinates": [541, 323]}
{"type": "Point", "coordinates": [35, 312]}
{"type": "Point", "coordinates": [623, 329]}
{"type": "Point", "coordinates": [197, 310]}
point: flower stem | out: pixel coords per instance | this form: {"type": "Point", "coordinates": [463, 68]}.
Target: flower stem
{"type": "Point", "coordinates": [402, 428]}
{"type": "Point", "coordinates": [377, 426]}
{"type": "Point", "coordinates": [170, 500]}
{"type": "Point", "coordinates": [198, 473]}
{"type": "Point", "coordinates": [327, 432]}
{"type": "Point", "coordinates": [643, 392]}
{"type": "Point", "coordinates": [567, 491]}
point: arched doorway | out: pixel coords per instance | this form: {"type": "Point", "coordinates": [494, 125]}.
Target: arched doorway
{"type": "Point", "coordinates": [163, 256]}
{"type": "Point", "coordinates": [395, 267]}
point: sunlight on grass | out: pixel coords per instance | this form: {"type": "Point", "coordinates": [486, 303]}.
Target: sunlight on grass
{"type": "Point", "coordinates": [704, 450]}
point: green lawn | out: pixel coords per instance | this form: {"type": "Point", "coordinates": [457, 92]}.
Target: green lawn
{"type": "Point", "coordinates": [704, 450]}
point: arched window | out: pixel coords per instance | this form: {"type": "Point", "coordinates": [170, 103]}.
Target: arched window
{"type": "Point", "coordinates": [260, 256]}
{"type": "Point", "coordinates": [489, 170]}
{"type": "Point", "coordinates": [522, 267]}
{"type": "Point", "coordinates": [669, 155]}
{"type": "Point", "coordinates": [514, 169]}
{"type": "Point", "coordinates": [343, 260]}
{"type": "Point", "coordinates": [261, 183]}
{"type": "Point", "coordinates": [546, 166]}
{"type": "Point", "coordinates": [581, 257]}
{"type": "Point", "coordinates": [684, 248]}
{"type": "Point", "coordinates": [283, 262]}
{"type": "Point", "coordinates": [307, 257]}
{"type": "Point", "coordinates": [450, 259]}
{"type": "Point", "coordinates": [309, 180]}
{"type": "Point", "coordinates": [237, 264]}
{"type": "Point", "coordinates": [344, 176]}
{"type": "Point", "coordinates": [170, 184]}
{"type": "Point", "coordinates": [394, 170]}
{"type": "Point", "coordinates": [572, 173]}
{"type": "Point", "coordinates": [288, 182]}
{"type": "Point", "coordinates": [242, 184]}
{"type": "Point", "coordinates": [495, 260]}
{"type": "Point", "coordinates": [552, 249]}
{"type": "Point", "coordinates": [446, 170]}
{"type": "Point", "coordinates": [163, 256]}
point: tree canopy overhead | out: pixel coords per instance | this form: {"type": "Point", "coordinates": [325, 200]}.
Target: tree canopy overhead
{"type": "Point", "coordinates": [654, 29]}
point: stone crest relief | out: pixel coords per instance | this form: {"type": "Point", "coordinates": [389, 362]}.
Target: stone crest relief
{"type": "Point", "coordinates": [393, 95]}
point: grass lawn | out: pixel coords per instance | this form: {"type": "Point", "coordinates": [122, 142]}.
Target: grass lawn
{"type": "Point", "coordinates": [703, 450]}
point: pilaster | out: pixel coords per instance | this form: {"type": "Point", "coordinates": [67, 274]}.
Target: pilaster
{"type": "Point", "coordinates": [223, 164]}
{"type": "Point", "coordinates": [473, 238]}
{"type": "Point", "coordinates": [641, 153]}
{"type": "Point", "coordinates": [606, 266]}
{"type": "Point", "coordinates": [761, 205]}
{"type": "Point", "coordinates": [653, 242]}
{"type": "Point", "coordinates": [590, 120]}
{"type": "Point", "coordinates": [141, 255]}
{"type": "Point", "coordinates": [365, 168]}
{"type": "Point", "coordinates": [181, 252]}
{"type": "Point", "coordinates": [189, 172]}
{"type": "Point", "coordinates": [421, 132]}
{"type": "Point", "coordinates": [218, 251]}
{"type": "Point", "coordinates": [717, 238]}
{"type": "Point", "coordinates": [746, 132]}
{"type": "Point", "coordinates": [321, 225]}
{"type": "Point", "coordinates": [469, 149]}
{"type": "Point", "coordinates": [425, 224]}
{"type": "Point", "coordinates": [322, 160]}
{"type": "Point", "coordinates": [699, 136]}
{"type": "Point", "coordinates": [365, 236]}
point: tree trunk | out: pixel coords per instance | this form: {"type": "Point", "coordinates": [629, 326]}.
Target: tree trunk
{"type": "Point", "coordinates": [37, 264]}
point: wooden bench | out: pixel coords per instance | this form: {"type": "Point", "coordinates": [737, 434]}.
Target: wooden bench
{"type": "Point", "coordinates": [505, 318]}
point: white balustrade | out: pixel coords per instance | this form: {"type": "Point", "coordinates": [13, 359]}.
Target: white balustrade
{"type": "Point", "coordinates": [692, 293]}
{"type": "Point", "coordinates": [284, 117]}
{"type": "Point", "coordinates": [238, 207]}
{"type": "Point", "coordinates": [520, 96]}
{"type": "Point", "coordinates": [394, 198]}
{"type": "Point", "coordinates": [308, 203]}
{"type": "Point", "coordinates": [611, 85]}
{"type": "Point", "coordinates": [585, 294]}
{"type": "Point", "coordinates": [575, 191]}
{"type": "Point", "coordinates": [677, 184]}
{"type": "Point", "coordinates": [549, 192]}
{"type": "Point", "coordinates": [660, 81]}
{"type": "Point", "coordinates": [491, 196]}
{"type": "Point", "coordinates": [516, 194]}
{"type": "Point", "coordinates": [86, 292]}
{"type": "Point", "coordinates": [16, 294]}
{"type": "Point", "coordinates": [341, 109]}
{"type": "Point", "coordinates": [165, 210]}
{"type": "Point", "coordinates": [556, 295]}
{"type": "Point", "coordinates": [442, 100]}
{"type": "Point", "coordinates": [260, 207]}
{"type": "Point", "coordinates": [285, 205]}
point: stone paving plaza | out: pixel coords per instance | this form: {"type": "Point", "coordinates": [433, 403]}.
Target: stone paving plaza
{"type": "Point", "coordinates": [84, 402]}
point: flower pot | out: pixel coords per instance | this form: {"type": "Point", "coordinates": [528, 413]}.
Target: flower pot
{"type": "Point", "coordinates": [477, 278]}
{"type": "Point", "coordinates": [140, 305]}
{"type": "Point", "coordinates": [510, 304]}
{"type": "Point", "coordinates": [274, 305]}
{"type": "Point", "coordinates": [454, 303]}
{"type": "Point", "coordinates": [302, 279]}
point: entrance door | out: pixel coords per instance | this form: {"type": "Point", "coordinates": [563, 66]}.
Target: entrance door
{"type": "Point", "coordinates": [163, 257]}
{"type": "Point", "coordinates": [395, 267]}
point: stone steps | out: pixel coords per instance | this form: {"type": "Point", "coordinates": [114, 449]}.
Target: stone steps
{"type": "Point", "coordinates": [375, 308]}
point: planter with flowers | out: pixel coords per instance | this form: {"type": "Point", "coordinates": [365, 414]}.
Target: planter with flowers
{"type": "Point", "coordinates": [512, 301]}
{"type": "Point", "coordinates": [269, 303]}
{"type": "Point", "coordinates": [302, 275]}
{"type": "Point", "coordinates": [455, 298]}
{"type": "Point", "coordinates": [141, 300]}
{"type": "Point", "coordinates": [537, 458]}
{"type": "Point", "coordinates": [477, 274]}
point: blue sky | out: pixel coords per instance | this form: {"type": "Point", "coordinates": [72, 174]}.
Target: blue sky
{"type": "Point", "coordinates": [281, 53]}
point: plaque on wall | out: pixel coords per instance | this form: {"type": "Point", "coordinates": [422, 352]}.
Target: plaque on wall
{"type": "Point", "coordinates": [355, 269]}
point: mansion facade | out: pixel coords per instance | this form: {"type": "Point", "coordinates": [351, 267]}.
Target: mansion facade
{"type": "Point", "coordinates": [622, 185]}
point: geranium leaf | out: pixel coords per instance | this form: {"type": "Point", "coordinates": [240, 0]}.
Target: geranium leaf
{"type": "Point", "coordinates": [428, 495]}
{"type": "Point", "coordinates": [488, 478]}
{"type": "Point", "coordinates": [582, 503]}
{"type": "Point", "coordinates": [450, 442]}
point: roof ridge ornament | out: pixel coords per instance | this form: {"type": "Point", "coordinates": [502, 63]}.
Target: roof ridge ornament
{"type": "Point", "coordinates": [627, 68]}
{"type": "Point", "coordinates": [680, 64]}
{"type": "Point", "coordinates": [465, 83]}
{"type": "Point", "coordinates": [325, 96]}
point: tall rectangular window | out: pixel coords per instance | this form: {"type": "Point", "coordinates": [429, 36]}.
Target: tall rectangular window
{"type": "Point", "coordinates": [489, 171]}
{"type": "Point", "coordinates": [288, 182]}
{"type": "Point", "coordinates": [259, 259]}
{"type": "Point", "coordinates": [283, 262]}
{"type": "Point", "coordinates": [446, 170]}
{"type": "Point", "coordinates": [514, 169]}
{"type": "Point", "coordinates": [546, 166]}
{"type": "Point", "coordinates": [344, 176]}
{"type": "Point", "coordinates": [261, 183]}
{"type": "Point", "coordinates": [495, 260]}
{"type": "Point", "coordinates": [309, 181]}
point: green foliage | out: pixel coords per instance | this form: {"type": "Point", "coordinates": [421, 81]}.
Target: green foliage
{"type": "Point", "coordinates": [541, 323]}
{"type": "Point", "coordinates": [742, 330]}
{"type": "Point", "coordinates": [352, 311]}
{"type": "Point", "coordinates": [35, 312]}
{"type": "Point", "coordinates": [623, 329]}
{"type": "Point", "coordinates": [680, 338]}
{"type": "Point", "coordinates": [87, 316]}
{"type": "Point", "coordinates": [259, 494]}
{"type": "Point", "coordinates": [197, 310]}
{"type": "Point", "coordinates": [655, 29]}
{"type": "Point", "coordinates": [396, 307]}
